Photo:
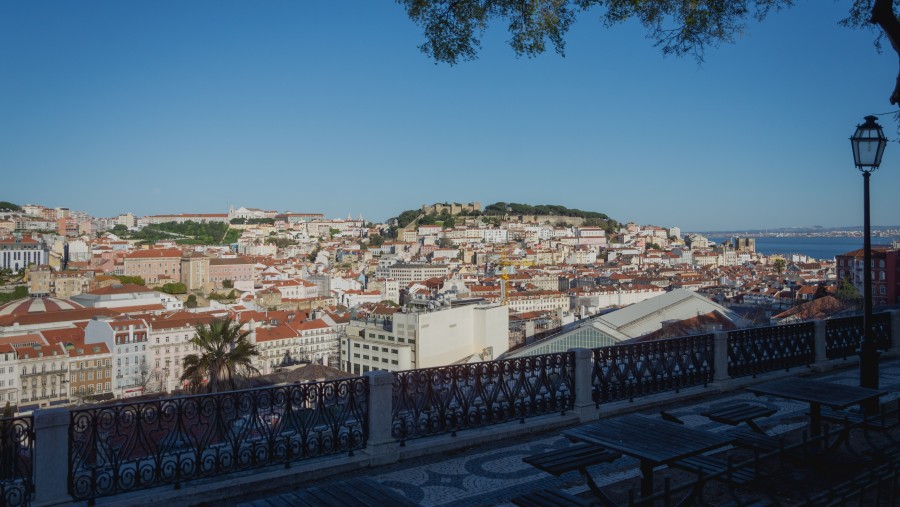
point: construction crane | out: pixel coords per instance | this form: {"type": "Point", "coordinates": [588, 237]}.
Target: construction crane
{"type": "Point", "coordinates": [505, 264]}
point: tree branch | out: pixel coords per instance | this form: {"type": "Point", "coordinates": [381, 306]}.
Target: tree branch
{"type": "Point", "coordinates": [883, 16]}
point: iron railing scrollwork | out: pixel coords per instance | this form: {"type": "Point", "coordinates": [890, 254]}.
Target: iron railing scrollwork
{"type": "Point", "coordinates": [765, 349]}
{"type": "Point", "coordinates": [132, 446]}
{"type": "Point", "coordinates": [16, 460]}
{"type": "Point", "coordinates": [432, 401]}
{"type": "Point", "coordinates": [843, 335]}
{"type": "Point", "coordinates": [623, 372]}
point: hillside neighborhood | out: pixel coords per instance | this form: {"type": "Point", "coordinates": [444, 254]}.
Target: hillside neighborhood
{"type": "Point", "coordinates": [104, 308]}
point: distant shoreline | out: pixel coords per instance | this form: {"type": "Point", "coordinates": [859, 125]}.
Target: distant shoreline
{"type": "Point", "coordinates": [890, 233]}
{"type": "Point", "coordinates": [816, 247]}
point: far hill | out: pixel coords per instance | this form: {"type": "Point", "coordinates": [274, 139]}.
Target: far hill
{"type": "Point", "coordinates": [494, 213]}
{"type": "Point", "coordinates": [8, 206]}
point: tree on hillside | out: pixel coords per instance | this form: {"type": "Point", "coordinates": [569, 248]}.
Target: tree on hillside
{"type": "Point", "coordinates": [453, 28]}
{"type": "Point", "coordinates": [846, 291]}
{"type": "Point", "coordinates": [779, 265]}
{"type": "Point", "coordinates": [225, 359]}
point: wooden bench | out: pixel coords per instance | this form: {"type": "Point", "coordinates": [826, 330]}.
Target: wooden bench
{"type": "Point", "coordinates": [736, 413]}
{"type": "Point", "coordinates": [887, 417]}
{"type": "Point", "coordinates": [550, 498]}
{"type": "Point", "coordinates": [864, 488]}
{"type": "Point", "coordinates": [754, 440]}
{"type": "Point", "coordinates": [354, 492]}
{"type": "Point", "coordinates": [574, 457]}
{"type": "Point", "coordinates": [708, 465]}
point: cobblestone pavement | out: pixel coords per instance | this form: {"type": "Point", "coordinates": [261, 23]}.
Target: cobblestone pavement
{"type": "Point", "coordinates": [490, 475]}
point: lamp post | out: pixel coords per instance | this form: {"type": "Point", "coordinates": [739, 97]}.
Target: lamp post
{"type": "Point", "coordinates": [868, 146]}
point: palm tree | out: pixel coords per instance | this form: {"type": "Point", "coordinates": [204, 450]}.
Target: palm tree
{"type": "Point", "coordinates": [225, 359]}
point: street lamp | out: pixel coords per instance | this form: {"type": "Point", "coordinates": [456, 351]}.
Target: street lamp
{"type": "Point", "coordinates": [868, 146]}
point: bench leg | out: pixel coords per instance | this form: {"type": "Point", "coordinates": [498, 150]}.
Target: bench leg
{"type": "Point", "coordinates": [595, 489]}
{"type": "Point", "coordinates": [755, 427]}
{"type": "Point", "coordinates": [646, 478]}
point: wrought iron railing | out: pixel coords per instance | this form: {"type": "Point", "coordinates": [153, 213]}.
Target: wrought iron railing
{"type": "Point", "coordinates": [431, 401]}
{"type": "Point", "coordinates": [765, 349]}
{"type": "Point", "coordinates": [16, 460]}
{"type": "Point", "coordinates": [133, 446]}
{"type": "Point", "coordinates": [623, 372]}
{"type": "Point", "coordinates": [842, 336]}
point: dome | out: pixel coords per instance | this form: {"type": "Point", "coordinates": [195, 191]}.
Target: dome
{"type": "Point", "coordinates": [37, 305]}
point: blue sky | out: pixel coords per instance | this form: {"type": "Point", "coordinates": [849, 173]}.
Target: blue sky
{"type": "Point", "coordinates": [323, 106]}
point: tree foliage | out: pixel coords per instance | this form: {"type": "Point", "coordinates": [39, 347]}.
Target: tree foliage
{"type": "Point", "coordinates": [252, 221]}
{"type": "Point", "coordinates": [20, 292]}
{"type": "Point", "coordinates": [778, 265]}
{"type": "Point", "coordinates": [281, 242]}
{"type": "Point", "coordinates": [214, 233]}
{"type": "Point", "coordinates": [406, 218]}
{"type": "Point", "coordinates": [846, 291]}
{"type": "Point", "coordinates": [225, 358]}
{"type": "Point", "coordinates": [174, 288]}
{"type": "Point", "coordinates": [136, 280]}
{"type": "Point", "coordinates": [191, 302]}
{"type": "Point", "coordinates": [512, 208]}
{"type": "Point", "coordinates": [8, 206]}
{"type": "Point", "coordinates": [376, 240]}
{"type": "Point", "coordinates": [453, 28]}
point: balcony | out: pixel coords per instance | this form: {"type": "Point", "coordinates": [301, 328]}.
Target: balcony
{"type": "Point", "coordinates": [320, 428]}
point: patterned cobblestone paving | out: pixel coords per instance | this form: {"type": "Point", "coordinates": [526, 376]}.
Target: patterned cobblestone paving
{"type": "Point", "coordinates": [492, 474]}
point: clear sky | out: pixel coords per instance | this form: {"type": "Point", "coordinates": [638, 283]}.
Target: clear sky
{"type": "Point", "coordinates": [328, 106]}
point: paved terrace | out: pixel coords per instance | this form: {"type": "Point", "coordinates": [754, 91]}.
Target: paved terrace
{"type": "Point", "coordinates": [490, 471]}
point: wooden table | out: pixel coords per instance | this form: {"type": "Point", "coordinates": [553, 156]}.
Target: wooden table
{"type": "Point", "coordinates": [653, 441]}
{"type": "Point", "coordinates": [817, 393]}
{"type": "Point", "coordinates": [734, 414]}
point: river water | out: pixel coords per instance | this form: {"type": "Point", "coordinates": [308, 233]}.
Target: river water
{"type": "Point", "coordinates": [815, 247]}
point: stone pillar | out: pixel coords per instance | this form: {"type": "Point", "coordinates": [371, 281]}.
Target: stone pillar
{"type": "Point", "coordinates": [720, 359]}
{"type": "Point", "coordinates": [51, 461]}
{"type": "Point", "coordinates": [584, 402]}
{"type": "Point", "coordinates": [820, 343]}
{"type": "Point", "coordinates": [381, 446]}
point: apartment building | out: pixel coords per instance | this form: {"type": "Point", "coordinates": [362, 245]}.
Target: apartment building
{"type": "Point", "coordinates": [426, 336]}
{"type": "Point", "coordinates": [9, 374]}
{"type": "Point", "coordinates": [885, 273]}
{"type": "Point", "coordinates": [240, 271]}
{"type": "Point", "coordinates": [156, 267]}
{"type": "Point", "coordinates": [127, 339]}
{"type": "Point", "coordinates": [169, 342]}
{"type": "Point", "coordinates": [406, 273]}
{"type": "Point", "coordinates": [90, 371]}
{"type": "Point", "coordinates": [530, 301]}
{"type": "Point", "coordinates": [18, 253]}
{"type": "Point", "coordinates": [314, 341]}
{"type": "Point", "coordinates": [44, 374]}
{"type": "Point", "coordinates": [44, 281]}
